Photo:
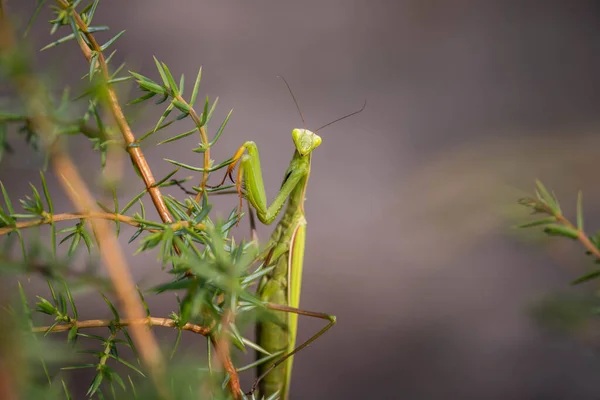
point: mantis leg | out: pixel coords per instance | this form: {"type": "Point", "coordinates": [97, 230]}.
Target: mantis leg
{"type": "Point", "coordinates": [308, 342]}
{"type": "Point", "coordinates": [251, 173]}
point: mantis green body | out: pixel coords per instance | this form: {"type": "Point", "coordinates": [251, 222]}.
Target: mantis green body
{"type": "Point", "coordinates": [282, 286]}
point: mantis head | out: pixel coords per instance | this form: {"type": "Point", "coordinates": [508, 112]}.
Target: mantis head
{"type": "Point", "coordinates": [305, 141]}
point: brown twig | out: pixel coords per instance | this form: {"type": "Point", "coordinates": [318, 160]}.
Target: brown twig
{"type": "Point", "coordinates": [99, 323]}
{"type": "Point", "coordinates": [35, 98]}
{"type": "Point", "coordinates": [140, 161]}
{"type": "Point", "coordinates": [49, 218]}
{"type": "Point", "coordinates": [581, 236]}
{"type": "Point", "coordinates": [204, 139]}
{"type": "Point", "coordinates": [221, 344]}
{"type": "Point", "coordinates": [115, 108]}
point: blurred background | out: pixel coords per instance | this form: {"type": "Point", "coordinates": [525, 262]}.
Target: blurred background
{"type": "Point", "coordinates": [411, 203]}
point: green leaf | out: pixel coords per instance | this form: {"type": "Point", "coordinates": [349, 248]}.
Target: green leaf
{"type": "Point", "coordinates": [163, 116]}
{"type": "Point", "coordinates": [558, 230]}
{"type": "Point", "coordinates": [580, 211]}
{"type": "Point", "coordinates": [147, 134]}
{"type": "Point", "coordinates": [196, 87]}
{"type": "Point", "coordinates": [105, 208]}
{"type": "Point", "coordinates": [74, 244]}
{"type": "Point", "coordinates": [172, 85]}
{"type": "Point", "coordinates": [544, 195]}
{"type": "Point", "coordinates": [72, 337]}
{"type": "Point", "coordinates": [142, 78]}
{"type": "Point", "coordinates": [274, 396]}
{"type": "Point", "coordinates": [543, 221]}
{"type": "Point", "coordinates": [238, 340]}
{"type": "Point", "coordinates": [92, 10]}
{"type": "Point", "coordinates": [88, 240]}
{"type": "Point", "coordinates": [95, 384]}
{"type": "Point", "coordinates": [210, 112]}
{"type": "Point", "coordinates": [152, 87]}
{"type": "Point", "coordinates": [587, 277]}
{"type": "Point", "coordinates": [166, 178]}
{"type": "Point", "coordinates": [71, 301]}
{"type": "Point", "coordinates": [175, 285]}
{"type": "Point", "coordinates": [44, 306]}
{"type": "Point", "coordinates": [118, 80]}
{"type": "Point", "coordinates": [221, 128]}
{"type": "Point", "coordinates": [81, 366]}
{"type": "Point", "coordinates": [204, 117]}
{"type": "Point", "coordinates": [52, 293]}
{"type": "Point", "coordinates": [26, 309]}
{"type": "Point", "coordinates": [181, 106]}
{"type": "Point", "coordinates": [51, 211]}
{"type": "Point", "coordinates": [176, 345]}
{"type": "Point", "coordinates": [143, 300]}
{"type": "Point", "coordinates": [117, 378]}
{"type": "Point", "coordinates": [185, 166]}
{"type": "Point", "coordinates": [39, 5]}
{"type": "Point", "coordinates": [111, 41]}
{"type": "Point", "coordinates": [161, 71]}
{"type": "Point", "coordinates": [127, 364]}
{"type": "Point", "coordinates": [112, 308]}
{"type": "Point", "coordinates": [66, 390]}
{"type": "Point", "coordinates": [181, 84]}
{"type": "Point", "coordinates": [180, 136]}
{"type": "Point", "coordinates": [133, 201]}
{"type": "Point", "coordinates": [142, 99]}
{"type": "Point", "coordinates": [72, 36]}
{"type": "Point", "coordinates": [93, 61]}
{"type": "Point", "coordinates": [131, 345]}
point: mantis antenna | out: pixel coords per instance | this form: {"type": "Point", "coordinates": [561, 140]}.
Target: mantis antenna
{"type": "Point", "coordinates": [344, 117]}
{"type": "Point", "coordinates": [302, 117]}
{"type": "Point", "coordinates": [295, 102]}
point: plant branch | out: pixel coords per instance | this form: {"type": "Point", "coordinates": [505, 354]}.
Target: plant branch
{"type": "Point", "coordinates": [581, 236]}
{"type": "Point", "coordinates": [115, 108]}
{"type": "Point", "coordinates": [99, 323]}
{"type": "Point", "coordinates": [222, 347]}
{"type": "Point", "coordinates": [140, 161]}
{"type": "Point", "coordinates": [204, 139]}
{"type": "Point", "coordinates": [35, 97]}
{"type": "Point", "coordinates": [548, 205]}
{"type": "Point", "coordinates": [49, 218]}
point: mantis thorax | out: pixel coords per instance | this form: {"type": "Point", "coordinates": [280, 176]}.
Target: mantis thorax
{"type": "Point", "coordinates": [305, 141]}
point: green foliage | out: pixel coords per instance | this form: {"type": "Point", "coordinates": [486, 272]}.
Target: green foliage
{"type": "Point", "coordinates": [210, 273]}
{"type": "Point", "coordinates": [571, 313]}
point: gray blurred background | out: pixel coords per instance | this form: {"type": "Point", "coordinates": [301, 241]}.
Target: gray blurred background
{"type": "Point", "coordinates": [410, 204]}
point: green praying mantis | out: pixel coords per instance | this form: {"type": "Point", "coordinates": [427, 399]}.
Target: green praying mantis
{"type": "Point", "coordinates": [280, 289]}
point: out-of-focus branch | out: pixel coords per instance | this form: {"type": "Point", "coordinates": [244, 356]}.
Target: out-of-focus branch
{"type": "Point", "coordinates": [35, 98]}
{"type": "Point", "coordinates": [221, 343]}
{"type": "Point", "coordinates": [115, 108]}
{"type": "Point", "coordinates": [137, 156]}
{"type": "Point", "coordinates": [99, 323]}
{"type": "Point", "coordinates": [93, 215]}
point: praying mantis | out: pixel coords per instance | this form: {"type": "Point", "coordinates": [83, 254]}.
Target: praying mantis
{"type": "Point", "coordinates": [280, 289]}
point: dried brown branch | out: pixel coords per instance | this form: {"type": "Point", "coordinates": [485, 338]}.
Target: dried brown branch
{"type": "Point", "coordinates": [49, 218]}
{"type": "Point", "coordinates": [35, 98]}
{"type": "Point", "coordinates": [115, 108]}
{"type": "Point", "coordinates": [222, 347]}
{"type": "Point", "coordinates": [99, 323]}
{"type": "Point", "coordinates": [140, 161]}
